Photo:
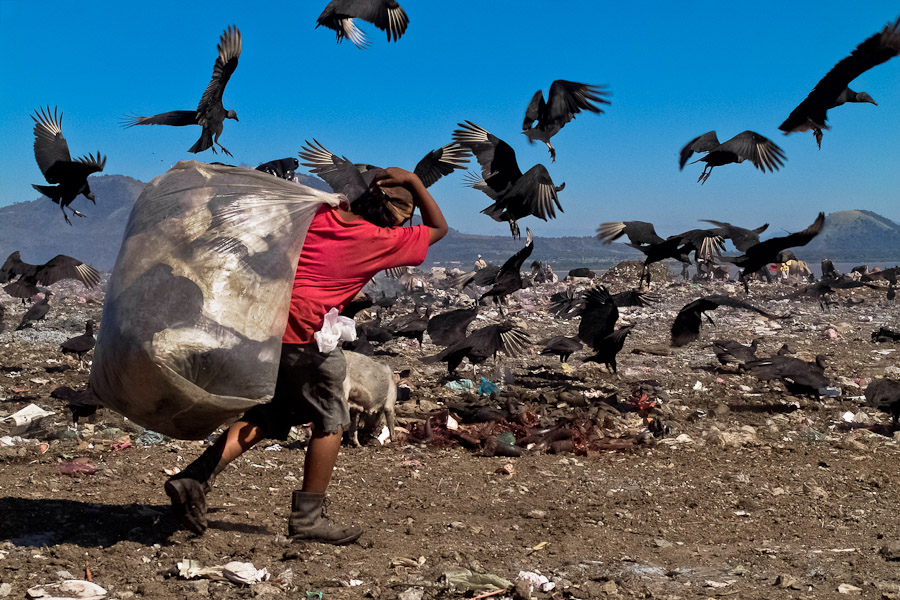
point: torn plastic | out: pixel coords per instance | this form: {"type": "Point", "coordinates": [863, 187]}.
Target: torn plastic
{"type": "Point", "coordinates": [335, 329]}
{"type": "Point", "coordinates": [198, 300]}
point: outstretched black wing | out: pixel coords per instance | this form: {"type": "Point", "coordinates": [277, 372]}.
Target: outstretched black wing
{"type": "Point", "coordinates": [386, 15]}
{"type": "Point", "coordinates": [758, 149]}
{"type": "Point", "coordinates": [227, 61]}
{"type": "Point", "coordinates": [686, 327]}
{"type": "Point", "coordinates": [701, 143]}
{"type": "Point", "coordinates": [872, 52]}
{"type": "Point", "coordinates": [638, 232]}
{"type": "Point", "coordinates": [568, 98]}
{"type": "Point", "coordinates": [50, 147]}
{"type": "Point", "coordinates": [338, 172]}
{"type": "Point", "coordinates": [440, 162]}
{"type": "Point", "coordinates": [499, 168]}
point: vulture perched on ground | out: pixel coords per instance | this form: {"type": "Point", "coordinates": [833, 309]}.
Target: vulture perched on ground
{"type": "Point", "coordinates": [52, 154]}
{"type": "Point", "coordinates": [210, 113]}
{"type": "Point", "coordinates": [37, 312]}
{"type": "Point", "coordinates": [80, 344]}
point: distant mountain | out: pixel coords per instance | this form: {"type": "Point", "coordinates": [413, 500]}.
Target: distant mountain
{"type": "Point", "coordinates": [38, 230]}
{"type": "Point", "coordinates": [855, 235]}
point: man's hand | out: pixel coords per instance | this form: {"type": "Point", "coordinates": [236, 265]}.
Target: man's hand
{"type": "Point", "coordinates": [393, 176]}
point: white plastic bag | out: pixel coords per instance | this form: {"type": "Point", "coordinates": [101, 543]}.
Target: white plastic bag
{"type": "Point", "coordinates": [198, 300]}
{"type": "Point", "coordinates": [334, 330]}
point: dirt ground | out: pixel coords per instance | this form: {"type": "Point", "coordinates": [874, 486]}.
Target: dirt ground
{"type": "Point", "coordinates": [751, 492]}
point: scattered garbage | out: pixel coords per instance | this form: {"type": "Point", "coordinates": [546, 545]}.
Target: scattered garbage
{"type": "Point", "coordinates": [67, 590]}
{"type": "Point", "coordinates": [460, 385]}
{"type": "Point", "coordinates": [464, 580]}
{"type": "Point", "coordinates": [486, 388]}
{"type": "Point", "coordinates": [25, 420]}
{"type": "Point", "coordinates": [149, 438]}
{"type": "Point", "coordinates": [538, 582]}
{"type": "Point", "coordinates": [80, 467]}
{"type": "Point", "coordinates": [237, 572]}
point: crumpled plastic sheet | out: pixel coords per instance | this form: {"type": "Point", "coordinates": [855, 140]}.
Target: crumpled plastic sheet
{"type": "Point", "coordinates": [334, 330]}
{"type": "Point", "coordinates": [464, 580]}
{"type": "Point", "coordinates": [243, 573]}
{"type": "Point", "coordinates": [460, 385]}
{"type": "Point", "coordinates": [73, 589]}
{"type": "Point", "coordinates": [198, 299]}
{"type": "Point", "coordinates": [486, 387]}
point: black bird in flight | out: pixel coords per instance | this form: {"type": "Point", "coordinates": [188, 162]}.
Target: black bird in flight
{"type": "Point", "coordinates": [832, 90]}
{"type": "Point", "coordinates": [704, 243]}
{"type": "Point", "coordinates": [210, 113]}
{"type": "Point", "coordinates": [26, 277]}
{"type": "Point", "coordinates": [564, 101]}
{"type": "Point", "coordinates": [283, 167]}
{"type": "Point", "coordinates": [509, 278]}
{"type": "Point", "coordinates": [515, 195]}
{"type": "Point", "coordinates": [483, 343]}
{"type": "Point", "coordinates": [598, 317]}
{"type": "Point", "coordinates": [759, 255]}
{"type": "Point", "coordinates": [686, 327]}
{"type": "Point", "coordinates": [749, 145]}
{"type": "Point", "coordinates": [52, 154]}
{"type": "Point", "coordinates": [351, 179]}
{"type": "Point", "coordinates": [741, 238]}
{"type": "Point", "coordinates": [386, 15]}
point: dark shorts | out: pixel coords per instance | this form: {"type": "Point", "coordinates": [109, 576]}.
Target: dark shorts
{"type": "Point", "coordinates": [310, 389]}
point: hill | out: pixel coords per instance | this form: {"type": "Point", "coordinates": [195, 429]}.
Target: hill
{"type": "Point", "coordinates": [856, 235]}
{"type": "Point", "coordinates": [37, 229]}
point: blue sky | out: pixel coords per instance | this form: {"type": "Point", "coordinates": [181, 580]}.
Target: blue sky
{"type": "Point", "coordinates": [676, 70]}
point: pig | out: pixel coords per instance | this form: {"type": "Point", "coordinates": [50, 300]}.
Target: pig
{"type": "Point", "coordinates": [370, 389]}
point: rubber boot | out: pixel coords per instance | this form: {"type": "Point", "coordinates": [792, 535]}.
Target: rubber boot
{"type": "Point", "coordinates": [187, 490]}
{"type": "Point", "coordinates": [308, 522]}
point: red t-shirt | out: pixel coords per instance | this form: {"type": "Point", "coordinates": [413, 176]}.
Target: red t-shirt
{"type": "Point", "coordinates": [338, 258]}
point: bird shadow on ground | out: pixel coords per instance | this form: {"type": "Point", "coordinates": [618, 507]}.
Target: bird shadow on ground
{"type": "Point", "coordinates": [40, 522]}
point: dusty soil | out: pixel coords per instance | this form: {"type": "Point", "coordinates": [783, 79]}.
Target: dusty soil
{"type": "Point", "coordinates": [752, 492]}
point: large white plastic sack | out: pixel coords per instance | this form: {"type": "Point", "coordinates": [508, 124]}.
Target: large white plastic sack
{"type": "Point", "coordinates": [198, 299]}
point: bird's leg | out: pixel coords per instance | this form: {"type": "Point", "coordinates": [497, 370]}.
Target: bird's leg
{"type": "Point", "coordinates": [514, 228]}
{"type": "Point", "coordinates": [744, 281]}
{"type": "Point", "coordinates": [818, 133]}
{"type": "Point", "coordinates": [552, 151]}
{"type": "Point", "coordinates": [225, 150]}
{"type": "Point", "coordinates": [707, 171]}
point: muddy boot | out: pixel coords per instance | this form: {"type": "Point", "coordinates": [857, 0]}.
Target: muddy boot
{"type": "Point", "coordinates": [308, 522]}
{"type": "Point", "coordinates": [187, 490]}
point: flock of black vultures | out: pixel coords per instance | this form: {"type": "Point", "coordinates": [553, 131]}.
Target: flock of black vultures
{"type": "Point", "coordinates": [515, 195]}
